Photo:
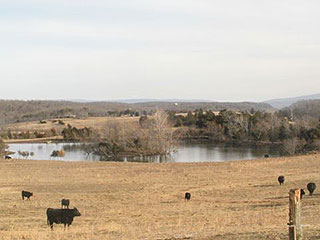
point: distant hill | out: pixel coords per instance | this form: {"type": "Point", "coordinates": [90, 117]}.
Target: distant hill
{"type": "Point", "coordinates": [303, 110]}
{"type": "Point", "coordinates": [285, 102]}
{"type": "Point", "coordinates": [130, 101]}
{"type": "Point", "coordinates": [22, 111]}
{"type": "Point", "coordinates": [141, 100]}
{"type": "Point", "coordinates": [214, 106]}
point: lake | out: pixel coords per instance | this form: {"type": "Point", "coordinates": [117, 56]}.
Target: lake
{"type": "Point", "coordinates": [186, 152]}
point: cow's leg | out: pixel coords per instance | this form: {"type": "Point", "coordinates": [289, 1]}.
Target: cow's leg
{"type": "Point", "coordinates": [51, 225]}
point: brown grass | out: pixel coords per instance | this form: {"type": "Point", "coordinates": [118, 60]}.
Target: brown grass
{"type": "Point", "coordinates": [90, 122]}
{"type": "Point", "coordinates": [232, 200]}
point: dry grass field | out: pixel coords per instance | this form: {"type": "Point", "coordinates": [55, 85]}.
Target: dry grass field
{"type": "Point", "coordinates": [232, 200]}
{"type": "Point", "coordinates": [90, 122]}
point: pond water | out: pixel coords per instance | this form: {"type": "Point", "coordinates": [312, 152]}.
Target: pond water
{"type": "Point", "coordinates": [186, 152]}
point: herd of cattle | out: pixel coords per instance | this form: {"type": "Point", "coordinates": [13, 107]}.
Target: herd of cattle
{"type": "Point", "coordinates": [60, 216]}
{"type": "Point", "coordinates": [65, 215]}
{"type": "Point", "coordinates": [310, 186]}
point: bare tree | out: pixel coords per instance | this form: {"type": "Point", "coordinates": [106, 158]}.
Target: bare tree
{"type": "Point", "coordinates": [132, 138]}
{"type": "Point", "coordinates": [160, 135]}
{"type": "Point", "coordinates": [290, 146]}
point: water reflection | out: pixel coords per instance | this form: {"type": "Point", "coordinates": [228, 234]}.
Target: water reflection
{"type": "Point", "coordinates": [186, 152]}
{"type": "Point", "coordinates": [152, 159]}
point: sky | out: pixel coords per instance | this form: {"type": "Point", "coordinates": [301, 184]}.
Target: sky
{"type": "Point", "coordinates": [226, 50]}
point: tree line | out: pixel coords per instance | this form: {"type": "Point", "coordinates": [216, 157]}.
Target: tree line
{"type": "Point", "coordinates": [249, 127]}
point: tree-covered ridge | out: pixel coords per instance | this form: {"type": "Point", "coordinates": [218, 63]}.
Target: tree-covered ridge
{"type": "Point", "coordinates": [12, 111]}
{"type": "Point", "coordinates": [303, 110]}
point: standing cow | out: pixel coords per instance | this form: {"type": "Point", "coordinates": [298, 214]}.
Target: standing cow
{"type": "Point", "coordinates": [187, 196]}
{"type": "Point", "coordinates": [281, 179]}
{"type": "Point", "coordinates": [26, 194]}
{"type": "Point", "coordinates": [61, 216]}
{"type": "Point", "coordinates": [65, 202]}
{"type": "Point", "coordinates": [311, 187]}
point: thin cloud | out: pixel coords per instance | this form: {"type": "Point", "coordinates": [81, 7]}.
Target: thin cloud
{"type": "Point", "coordinates": [222, 50]}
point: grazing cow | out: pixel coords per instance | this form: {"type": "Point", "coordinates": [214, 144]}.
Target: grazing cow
{"type": "Point", "coordinates": [187, 196]}
{"type": "Point", "coordinates": [61, 216]}
{"type": "Point", "coordinates": [302, 193]}
{"type": "Point", "coordinates": [266, 155]}
{"type": "Point", "coordinates": [311, 187]}
{"type": "Point", "coordinates": [7, 157]}
{"type": "Point", "coordinates": [65, 202]}
{"type": "Point", "coordinates": [26, 194]}
{"type": "Point", "coordinates": [281, 179]}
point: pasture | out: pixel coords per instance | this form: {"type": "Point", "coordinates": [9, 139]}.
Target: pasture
{"type": "Point", "coordinates": [90, 122]}
{"type": "Point", "coordinates": [230, 200]}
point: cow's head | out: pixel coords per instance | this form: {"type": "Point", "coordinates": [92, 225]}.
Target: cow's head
{"type": "Point", "coordinates": [76, 212]}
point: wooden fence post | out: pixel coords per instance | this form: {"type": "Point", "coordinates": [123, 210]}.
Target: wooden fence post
{"type": "Point", "coordinates": [295, 229]}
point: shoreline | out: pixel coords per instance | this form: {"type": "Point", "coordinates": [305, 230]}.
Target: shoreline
{"type": "Point", "coordinates": [34, 140]}
{"type": "Point", "coordinates": [200, 139]}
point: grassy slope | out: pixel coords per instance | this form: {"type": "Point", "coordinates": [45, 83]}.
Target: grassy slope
{"type": "Point", "coordinates": [92, 122]}
{"type": "Point", "coordinates": [233, 200]}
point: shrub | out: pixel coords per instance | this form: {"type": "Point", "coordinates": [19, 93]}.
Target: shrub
{"type": "Point", "coordinates": [3, 148]}
{"type": "Point", "coordinates": [61, 122]}
{"type": "Point", "coordinates": [58, 153]}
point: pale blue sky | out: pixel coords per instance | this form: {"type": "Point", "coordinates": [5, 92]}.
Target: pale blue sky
{"type": "Point", "coordinates": [225, 50]}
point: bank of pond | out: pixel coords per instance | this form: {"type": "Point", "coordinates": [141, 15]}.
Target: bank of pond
{"type": "Point", "coordinates": [189, 151]}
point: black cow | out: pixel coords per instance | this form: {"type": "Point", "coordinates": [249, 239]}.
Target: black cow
{"type": "Point", "coordinates": [26, 194]}
{"type": "Point", "coordinates": [281, 179]}
{"type": "Point", "coordinates": [7, 157]}
{"type": "Point", "coordinates": [187, 196]}
{"type": "Point", "coordinates": [65, 202]}
{"type": "Point", "coordinates": [266, 155]}
{"type": "Point", "coordinates": [61, 216]}
{"type": "Point", "coordinates": [311, 187]}
{"type": "Point", "coordinates": [302, 193]}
